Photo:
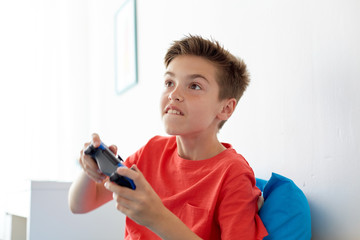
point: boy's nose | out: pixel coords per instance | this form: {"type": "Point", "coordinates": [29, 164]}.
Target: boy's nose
{"type": "Point", "coordinates": [175, 95]}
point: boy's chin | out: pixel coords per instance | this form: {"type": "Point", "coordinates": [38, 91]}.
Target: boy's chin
{"type": "Point", "coordinates": [171, 132]}
{"type": "Point", "coordinates": [170, 128]}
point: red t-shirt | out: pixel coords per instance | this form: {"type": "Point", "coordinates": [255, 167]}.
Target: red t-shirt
{"type": "Point", "coordinates": [216, 198]}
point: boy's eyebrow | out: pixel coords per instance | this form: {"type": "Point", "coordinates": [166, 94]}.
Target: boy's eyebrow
{"type": "Point", "coordinates": [169, 73]}
{"type": "Point", "coordinates": [191, 76]}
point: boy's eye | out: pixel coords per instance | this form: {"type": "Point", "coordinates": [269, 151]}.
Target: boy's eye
{"type": "Point", "coordinates": [195, 86]}
{"type": "Point", "coordinates": [169, 84]}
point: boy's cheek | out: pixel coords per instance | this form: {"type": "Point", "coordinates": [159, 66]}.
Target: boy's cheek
{"type": "Point", "coordinates": [163, 102]}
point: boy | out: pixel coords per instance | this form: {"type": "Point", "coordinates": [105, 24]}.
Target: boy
{"type": "Point", "coordinates": [188, 185]}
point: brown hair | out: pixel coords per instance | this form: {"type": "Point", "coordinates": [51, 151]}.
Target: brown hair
{"type": "Point", "coordinates": [232, 76]}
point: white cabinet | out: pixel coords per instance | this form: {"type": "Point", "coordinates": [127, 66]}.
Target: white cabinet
{"type": "Point", "coordinates": [44, 205]}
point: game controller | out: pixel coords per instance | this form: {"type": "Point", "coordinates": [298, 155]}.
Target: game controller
{"type": "Point", "coordinates": [108, 163]}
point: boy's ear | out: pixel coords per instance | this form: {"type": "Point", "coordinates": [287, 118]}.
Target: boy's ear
{"type": "Point", "coordinates": [227, 109]}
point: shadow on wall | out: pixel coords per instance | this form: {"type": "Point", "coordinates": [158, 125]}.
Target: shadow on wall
{"type": "Point", "coordinates": [319, 221]}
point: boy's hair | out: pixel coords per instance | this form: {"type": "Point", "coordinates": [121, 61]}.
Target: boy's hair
{"type": "Point", "coordinates": [232, 75]}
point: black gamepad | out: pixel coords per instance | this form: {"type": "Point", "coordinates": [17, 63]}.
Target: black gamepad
{"type": "Point", "coordinates": [108, 163]}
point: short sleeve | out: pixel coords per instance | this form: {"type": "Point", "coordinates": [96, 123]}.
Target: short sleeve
{"type": "Point", "coordinates": [134, 158]}
{"type": "Point", "coordinates": [237, 212]}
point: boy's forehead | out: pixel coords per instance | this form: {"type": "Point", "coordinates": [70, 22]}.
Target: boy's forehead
{"type": "Point", "coordinates": [189, 64]}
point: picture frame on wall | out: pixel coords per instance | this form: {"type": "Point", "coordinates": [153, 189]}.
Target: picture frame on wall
{"type": "Point", "coordinates": [126, 62]}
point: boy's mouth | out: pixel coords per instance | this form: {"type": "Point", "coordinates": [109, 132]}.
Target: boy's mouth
{"type": "Point", "coordinates": [173, 110]}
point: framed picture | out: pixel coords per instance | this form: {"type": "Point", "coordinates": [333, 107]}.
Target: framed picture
{"type": "Point", "coordinates": [126, 67]}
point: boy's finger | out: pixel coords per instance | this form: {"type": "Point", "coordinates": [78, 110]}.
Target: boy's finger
{"type": "Point", "coordinates": [113, 148]}
{"type": "Point", "coordinates": [91, 168]}
{"type": "Point", "coordinates": [85, 146]}
{"type": "Point", "coordinates": [260, 202]}
{"type": "Point", "coordinates": [135, 168]}
{"type": "Point", "coordinates": [95, 140]}
{"type": "Point", "coordinates": [124, 192]}
{"type": "Point", "coordinates": [97, 177]}
{"type": "Point", "coordinates": [132, 173]}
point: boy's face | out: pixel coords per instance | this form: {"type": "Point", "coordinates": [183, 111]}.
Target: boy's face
{"type": "Point", "coordinates": [190, 103]}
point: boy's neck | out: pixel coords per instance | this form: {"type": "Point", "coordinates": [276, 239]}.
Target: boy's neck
{"type": "Point", "coordinates": [199, 147]}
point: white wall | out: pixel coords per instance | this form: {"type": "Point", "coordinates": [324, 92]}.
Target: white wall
{"type": "Point", "coordinates": [300, 116]}
{"type": "Point", "coordinates": [43, 91]}
{"type": "Point", "coordinates": [44, 83]}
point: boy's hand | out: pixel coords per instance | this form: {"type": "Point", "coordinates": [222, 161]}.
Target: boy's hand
{"type": "Point", "coordinates": [89, 165]}
{"type": "Point", "coordinates": [260, 202]}
{"type": "Point", "coordinates": [142, 205]}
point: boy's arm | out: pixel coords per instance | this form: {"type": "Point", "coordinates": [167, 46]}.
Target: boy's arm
{"type": "Point", "coordinates": [85, 194]}
{"type": "Point", "coordinates": [145, 207]}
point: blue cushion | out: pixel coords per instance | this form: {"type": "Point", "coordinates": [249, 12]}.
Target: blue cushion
{"type": "Point", "coordinates": [286, 211]}
{"type": "Point", "coordinates": [261, 183]}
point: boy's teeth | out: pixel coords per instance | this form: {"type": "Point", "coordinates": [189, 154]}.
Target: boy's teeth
{"type": "Point", "coordinates": [174, 111]}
